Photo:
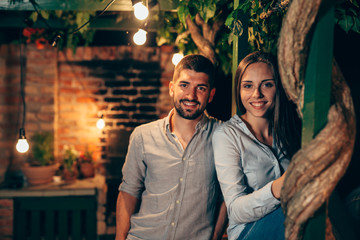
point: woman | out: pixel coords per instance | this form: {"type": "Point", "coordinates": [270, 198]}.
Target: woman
{"type": "Point", "coordinates": [252, 151]}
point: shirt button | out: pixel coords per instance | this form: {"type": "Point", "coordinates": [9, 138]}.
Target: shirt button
{"type": "Point", "coordinates": [177, 201]}
{"type": "Point", "coordinates": [172, 224]}
{"type": "Point", "coordinates": [181, 179]}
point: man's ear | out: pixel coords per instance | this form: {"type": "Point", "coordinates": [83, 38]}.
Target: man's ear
{"type": "Point", "coordinates": [212, 93]}
{"type": "Point", "coordinates": [171, 88]}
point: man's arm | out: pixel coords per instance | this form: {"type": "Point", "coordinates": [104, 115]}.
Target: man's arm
{"type": "Point", "coordinates": [126, 205]}
{"type": "Point", "coordinates": [221, 222]}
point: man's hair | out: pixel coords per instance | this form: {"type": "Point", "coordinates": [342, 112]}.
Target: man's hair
{"type": "Point", "coordinates": [197, 63]}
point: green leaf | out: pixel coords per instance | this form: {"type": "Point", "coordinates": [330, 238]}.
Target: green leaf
{"type": "Point", "coordinates": [45, 14]}
{"type": "Point", "coordinates": [33, 16]}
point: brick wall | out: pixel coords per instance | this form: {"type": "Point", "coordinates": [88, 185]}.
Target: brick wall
{"type": "Point", "coordinates": [66, 92]}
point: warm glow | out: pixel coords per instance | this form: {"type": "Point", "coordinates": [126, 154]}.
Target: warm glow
{"type": "Point", "coordinates": [177, 58]}
{"type": "Point", "coordinates": [140, 37]}
{"type": "Point", "coordinates": [100, 124]}
{"type": "Point", "coordinates": [140, 11]}
{"type": "Point", "coordinates": [22, 146]}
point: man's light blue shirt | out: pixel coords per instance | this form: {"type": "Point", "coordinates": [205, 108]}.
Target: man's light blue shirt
{"type": "Point", "coordinates": [177, 187]}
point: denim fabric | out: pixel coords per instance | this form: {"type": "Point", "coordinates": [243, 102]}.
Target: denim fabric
{"type": "Point", "coordinates": [270, 227]}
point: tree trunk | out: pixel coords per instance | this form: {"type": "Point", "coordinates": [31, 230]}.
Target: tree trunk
{"type": "Point", "coordinates": [315, 169]}
{"type": "Point", "coordinates": [204, 36]}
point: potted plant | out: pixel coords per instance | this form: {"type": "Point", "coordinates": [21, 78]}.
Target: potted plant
{"type": "Point", "coordinates": [41, 166]}
{"type": "Point", "coordinates": [86, 164]}
{"type": "Point", "coordinates": [70, 158]}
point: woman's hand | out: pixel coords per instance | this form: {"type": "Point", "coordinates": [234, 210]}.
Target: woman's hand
{"type": "Point", "coordinates": [277, 185]}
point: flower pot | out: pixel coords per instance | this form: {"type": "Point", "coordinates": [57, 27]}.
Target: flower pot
{"type": "Point", "coordinates": [37, 175]}
{"type": "Point", "coordinates": [71, 175]}
{"type": "Point", "coordinates": [87, 170]}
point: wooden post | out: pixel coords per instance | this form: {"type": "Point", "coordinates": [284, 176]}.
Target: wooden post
{"type": "Point", "coordinates": [240, 50]}
{"type": "Point", "coordinates": [317, 98]}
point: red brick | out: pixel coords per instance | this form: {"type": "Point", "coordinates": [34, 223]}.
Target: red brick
{"type": "Point", "coordinates": [7, 231]}
{"type": "Point", "coordinates": [6, 212]}
{"type": "Point", "coordinates": [6, 222]}
{"type": "Point", "coordinates": [9, 203]}
{"type": "Point", "coordinates": [86, 100]}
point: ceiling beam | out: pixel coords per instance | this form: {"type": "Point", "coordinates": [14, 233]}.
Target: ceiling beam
{"type": "Point", "coordinates": [81, 5]}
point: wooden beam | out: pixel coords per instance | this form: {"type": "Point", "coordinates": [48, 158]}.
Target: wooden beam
{"type": "Point", "coordinates": [81, 5]}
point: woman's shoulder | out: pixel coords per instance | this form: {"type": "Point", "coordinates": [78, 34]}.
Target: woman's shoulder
{"type": "Point", "coordinates": [233, 125]}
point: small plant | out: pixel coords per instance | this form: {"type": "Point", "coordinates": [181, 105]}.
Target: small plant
{"type": "Point", "coordinates": [42, 149]}
{"type": "Point", "coordinates": [70, 156]}
{"type": "Point", "coordinates": [86, 157]}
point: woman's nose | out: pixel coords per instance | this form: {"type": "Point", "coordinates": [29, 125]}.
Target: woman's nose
{"type": "Point", "coordinates": [257, 93]}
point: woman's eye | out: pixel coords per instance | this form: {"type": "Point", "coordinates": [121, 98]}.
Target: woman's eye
{"type": "Point", "coordinates": [247, 86]}
{"type": "Point", "coordinates": [268, 85]}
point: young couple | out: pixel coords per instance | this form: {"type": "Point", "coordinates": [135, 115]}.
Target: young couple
{"type": "Point", "coordinates": [177, 167]}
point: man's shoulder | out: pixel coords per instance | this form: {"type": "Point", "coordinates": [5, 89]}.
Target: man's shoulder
{"type": "Point", "coordinates": [149, 127]}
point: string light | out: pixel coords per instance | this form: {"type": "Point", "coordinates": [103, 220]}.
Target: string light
{"type": "Point", "coordinates": [177, 58]}
{"type": "Point", "coordinates": [22, 145]}
{"type": "Point", "coordinates": [140, 37]}
{"type": "Point", "coordinates": [100, 124]}
{"type": "Point", "coordinates": [140, 11]}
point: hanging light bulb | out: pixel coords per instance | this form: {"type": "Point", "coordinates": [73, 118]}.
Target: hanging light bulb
{"type": "Point", "coordinates": [100, 124]}
{"type": "Point", "coordinates": [177, 58]}
{"type": "Point", "coordinates": [140, 11]}
{"type": "Point", "coordinates": [140, 37]}
{"type": "Point", "coordinates": [22, 145]}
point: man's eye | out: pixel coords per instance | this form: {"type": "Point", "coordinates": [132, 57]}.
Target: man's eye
{"type": "Point", "coordinates": [203, 89]}
{"type": "Point", "coordinates": [183, 85]}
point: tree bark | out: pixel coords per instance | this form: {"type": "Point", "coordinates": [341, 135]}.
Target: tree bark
{"type": "Point", "coordinates": [204, 36]}
{"type": "Point", "coordinates": [315, 169]}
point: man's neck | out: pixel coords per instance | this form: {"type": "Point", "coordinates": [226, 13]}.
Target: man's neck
{"type": "Point", "coordinates": [183, 128]}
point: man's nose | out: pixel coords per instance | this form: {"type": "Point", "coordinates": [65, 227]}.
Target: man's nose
{"type": "Point", "coordinates": [192, 94]}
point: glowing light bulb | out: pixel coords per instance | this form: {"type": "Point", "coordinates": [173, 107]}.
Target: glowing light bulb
{"type": "Point", "coordinates": [140, 11]}
{"type": "Point", "coordinates": [22, 146]}
{"type": "Point", "coordinates": [177, 58]}
{"type": "Point", "coordinates": [100, 124]}
{"type": "Point", "coordinates": [140, 37]}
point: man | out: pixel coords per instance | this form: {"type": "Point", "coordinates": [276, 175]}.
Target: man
{"type": "Point", "coordinates": [169, 188]}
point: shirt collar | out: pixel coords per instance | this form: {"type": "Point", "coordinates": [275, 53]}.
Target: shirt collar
{"type": "Point", "coordinates": [201, 125]}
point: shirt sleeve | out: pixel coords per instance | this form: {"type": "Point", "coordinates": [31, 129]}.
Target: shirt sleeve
{"type": "Point", "coordinates": [243, 205]}
{"type": "Point", "coordinates": [134, 166]}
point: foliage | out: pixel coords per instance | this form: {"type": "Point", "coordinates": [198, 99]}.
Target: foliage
{"type": "Point", "coordinates": [265, 19]}
{"type": "Point", "coordinates": [174, 29]}
{"type": "Point", "coordinates": [70, 157]}
{"type": "Point", "coordinates": [70, 21]}
{"type": "Point", "coordinates": [86, 157]}
{"type": "Point", "coordinates": [263, 27]}
{"type": "Point", "coordinates": [42, 149]}
{"type": "Point", "coordinates": [347, 16]}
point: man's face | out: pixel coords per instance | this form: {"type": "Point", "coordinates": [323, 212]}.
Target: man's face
{"type": "Point", "coordinates": [191, 93]}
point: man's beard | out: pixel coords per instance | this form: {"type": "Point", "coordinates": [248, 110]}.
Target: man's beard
{"type": "Point", "coordinates": [184, 114]}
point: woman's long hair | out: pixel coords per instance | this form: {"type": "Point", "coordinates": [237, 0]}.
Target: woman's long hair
{"type": "Point", "coordinates": [284, 119]}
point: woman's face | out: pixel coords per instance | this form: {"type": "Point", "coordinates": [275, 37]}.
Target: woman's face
{"type": "Point", "coordinates": [257, 90]}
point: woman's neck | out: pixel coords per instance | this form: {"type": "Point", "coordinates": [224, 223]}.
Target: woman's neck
{"type": "Point", "coordinates": [259, 127]}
